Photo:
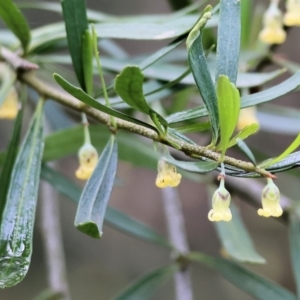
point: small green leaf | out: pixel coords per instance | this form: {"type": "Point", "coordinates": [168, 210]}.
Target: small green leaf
{"type": "Point", "coordinates": [76, 23]}
{"type": "Point", "coordinates": [113, 217]}
{"type": "Point", "coordinates": [246, 22]}
{"type": "Point", "coordinates": [243, 134]}
{"type": "Point", "coordinates": [197, 167]}
{"type": "Point", "coordinates": [129, 86]}
{"type": "Point", "coordinates": [87, 58]}
{"type": "Point", "coordinates": [228, 45]}
{"type": "Point", "coordinates": [85, 98]}
{"type": "Point", "coordinates": [18, 217]}
{"type": "Point", "coordinates": [294, 238]}
{"type": "Point", "coordinates": [236, 240]}
{"type": "Point", "coordinates": [9, 162]}
{"type": "Point", "coordinates": [201, 72]}
{"type": "Point", "coordinates": [291, 148]}
{"type": "Point", "coordinates": [289, 162]}
{"type": "Point", "coordinates": [246, 150]}
{"type": "Point", "coordinates": [229, 108]}
{"type": "Point", "coordinates": [197, 127]}
{"type": "Point", "coordinates": [93, 201]}
{"type": "Point", "coordinates": [146, 286]}
{"type": "Point", "coordinates": [15, 21]}
{"type": "Point", "coordinates": [255, 285]}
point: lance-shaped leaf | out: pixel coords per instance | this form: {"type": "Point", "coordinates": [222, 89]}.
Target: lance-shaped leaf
{"type": "Point", "coordinates": [229, 108]}
{"type": "Point", "coordinates": [201, 72]}
{"type": "Point", "coordinates": [255, 285]}
{"type": "Point", "coordinates": [87, 59]}
{"type": "Point", "coordinates": [15, 21]}
{"type": "Point", "coordinates": [85, 98]}
{"type": "Point", "coordinates": [197, 166]}
{"type": "Point", "coordinates": [294, 238]}
{"type": "Point", "coordinates": [229, 31]}
{"type": "Point", "coordinates": [76, 23]}
{"type": "Point", "coordinates": [146, 286]}
{"type": "Point", "coordinates": [246, 150]}
{"type": "Point", "coordinates": [9, 162]}
{"type": "Point", "coordinates": [93, 202]}
{"type": "Point", "coordinates": [19, 213]}
{"type": "Point", "coordinates": [292, 147]}
{"type": "Point", "coordinates": [236, 240]}
{"type": "Point", "coordinates": [288, 162]}
{"type": "Point", "coordinates": [113, 217]}
{"type": "Point", "coordinates": [129, 86]}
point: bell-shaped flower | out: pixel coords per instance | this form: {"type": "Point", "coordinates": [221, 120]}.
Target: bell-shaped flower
{"type": "Point", "coordinates": [88, 158]}
{"type": "Point", "coordinates": [167, 175]}
{"type": "Point", "coordinates": [292, 15]}
{"type": "Point", "coordinates": [220, 205]}
{"type": "Point", "coordinates": [10, 107]}
{"type": "Point", "coordinates": [247, 117]}
{"type": "Point", "coordinates": [270, 201]}
{"type": "Point", "coordinates": [272, 32]}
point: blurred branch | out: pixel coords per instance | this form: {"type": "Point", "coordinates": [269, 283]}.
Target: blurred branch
{"type": "Point", "coordinates": [52, 240]}
{"type": "Point", "coordinates": [177, 236]}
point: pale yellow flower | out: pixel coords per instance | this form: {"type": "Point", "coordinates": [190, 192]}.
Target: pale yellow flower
{"type": "Point", "coordinates": [272, 32]}
{"type": "Point", "coordinates": [247, 117]}
{"type": "Point", "coordinates": [88, 158]}
{"type": "Point", "coordinates": [292, 15]}
{"type": "Point", "coordinates": [220, 205]}
{"type": "Point", "coordinates": [270, 201]}
{"type": "Point", "coordinates": [167, 175]}
{"type": "Point", "coordinates": [10, 107]}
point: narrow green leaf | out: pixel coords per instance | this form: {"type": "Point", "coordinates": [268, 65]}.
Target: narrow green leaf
{"type": "Point", "coordinates": [129, 86]}
{"type": "Point", "coordinates": [246, 22]}
{"type": "Point", "coordinates": [93, 201]}
{"type": "Point", "coordinates": [255, 285]}
{"type": "Point", "coordinates": [201, 72]}
{"type": "Point", "coordinates": [87, 58]}
{"type": "Point", "coordinates": [146, 286]}
{"type": "Point", "coordinates": [236, 240]}
{"type": "Point", "coordinates": [197, 167]}
{"type": "Point", "coordinates": [291, 148]}
{"type": "Point", "coordinates": [113, 217]}
{"type": "Point", "coordinates": [243, 134]}
{"type": "Point", "coordinates": [85, 98]}
{"type": "Point", "coordinates": [289, 162]}
{"type": "Point", "coordinates": [197, 127]}
{"type": "Point", "coordinates": [18, 217]}
{"type": "Point", "coordinates": [76, 23]}
{"type": "Point", "coordinates": [246, 150]}
{"type": "Point", "coordinates": [15, 21]}
{"type": "Point", "coordinates": [229, 108]}
{"type": "Point", "coordinates": [270, 94]}
{"type": "Point", "coordinates": [294, 238]}
{"type": "Point", "coordinates": [9, 162]}
{"type": "Point", "coordinates": [228, 45]}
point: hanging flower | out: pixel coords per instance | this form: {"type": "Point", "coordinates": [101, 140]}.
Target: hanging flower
{"type": "Point", "coordinates": [88, 158]}
{"type": "Point", "coordinates": [270, 201]}
{"type": "Point", "coordinates": [292, 15]}
{"type": "Point", "coordinates": [167, 175]}
{"type": "Point", "coordinates": [10, 107]}
{"type": "Point", "coordinates": [220, 204]}
{"type": "Point", "coordinates": [247, 117]}
{"type": "Point", "coordinates": [272, 32]}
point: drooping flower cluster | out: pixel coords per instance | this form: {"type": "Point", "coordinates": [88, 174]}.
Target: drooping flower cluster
{"type": "Point", "coordinates": [167, 175]}
{"type": "Point", "coordinates": [10, 107]}
{"type": "Point", "coordinates": [270, 201]}
{"type": "Point", "coordinates": [272, 32]}
{"type": "Point", "coordinates": [220, 204]}
{"type": "Point", "coordinates": [88, 158]}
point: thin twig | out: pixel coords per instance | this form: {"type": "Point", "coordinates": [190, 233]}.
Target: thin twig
{"type": "Point", "coordinates": [177, 236]}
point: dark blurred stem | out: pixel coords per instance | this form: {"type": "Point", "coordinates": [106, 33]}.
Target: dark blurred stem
{"type": "Point", "coordinates": [177, 236]}
{"type": "Point", "coordinates": [52, 240]}
{"type": "Point", "coordinates": [179, 4]}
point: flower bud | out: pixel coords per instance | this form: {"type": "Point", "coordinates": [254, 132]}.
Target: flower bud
{"type": "Point", "coordinates": [88, 158]}
{"type": "Point", "coordinates": [10, 107]}
{"type": "Point", "coordinates": [167, 175]}
{"type": "Point", "coordinates": [292, 16]}
{"type": "Point", "coordinates": [272, 32]}
{"type": "Point", "coordinates": [270, 201]}
{"type": "Point", "coordinates": [220, 205]}
{"type": "Point", "coordinates": [247, 117]}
